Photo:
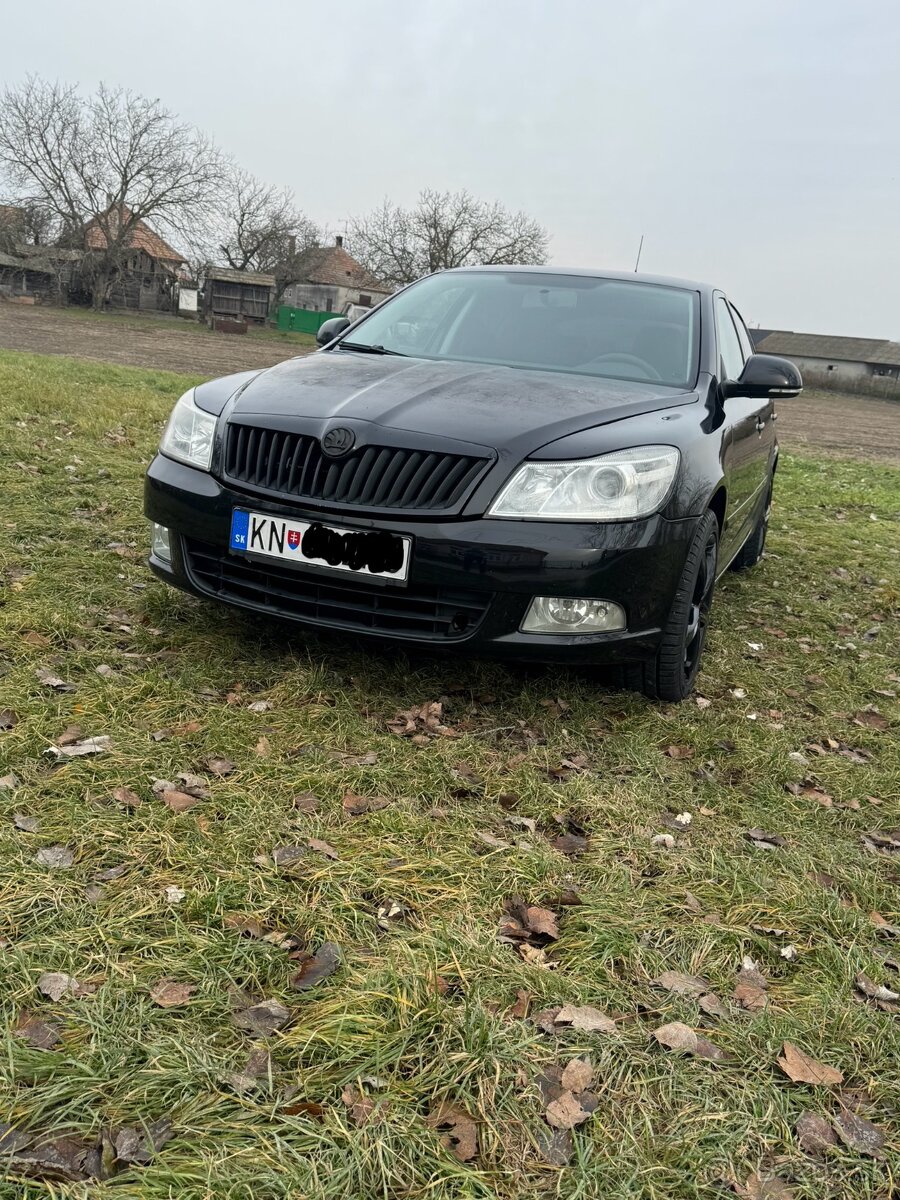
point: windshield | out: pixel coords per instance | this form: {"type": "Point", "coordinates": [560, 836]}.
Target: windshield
{"type": "Point", "coordinates": [572, 323]}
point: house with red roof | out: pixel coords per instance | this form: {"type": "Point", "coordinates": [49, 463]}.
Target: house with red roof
{"type": "Point", "coordinates": [148, 270]}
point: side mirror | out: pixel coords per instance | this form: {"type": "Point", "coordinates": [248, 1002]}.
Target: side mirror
{"type": "Point", "coordinates": [329, 330]}
{"type": "Point", "coordinates": [764, 376]}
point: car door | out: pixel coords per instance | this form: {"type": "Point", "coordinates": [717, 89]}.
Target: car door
{"type": "Point", "coordinates": [746, 454]}
{"type": "Point", "coordinates": [766, 409]}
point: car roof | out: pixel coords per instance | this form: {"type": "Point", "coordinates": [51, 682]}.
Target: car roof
{"type": "Point", "coordinates": [597, 273]}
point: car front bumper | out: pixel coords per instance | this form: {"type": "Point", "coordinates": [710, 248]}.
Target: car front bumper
{"type": "Point", "coordinates": [471, 580]}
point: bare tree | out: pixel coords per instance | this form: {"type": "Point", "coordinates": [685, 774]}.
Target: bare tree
{"type": "Point", "coordinates": [444, 229]}
{"type": "Point", "coordinates": [25, 224]}
{"type": "Point", "coordinates": [100, 164]}
{"type": "Point", "coordinates": [263, 230]}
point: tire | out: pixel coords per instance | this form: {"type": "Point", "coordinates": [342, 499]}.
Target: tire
{"type": "Point", "coordinates": [670, 675]}
{"type": "Point", "coordinates": [752, 550]}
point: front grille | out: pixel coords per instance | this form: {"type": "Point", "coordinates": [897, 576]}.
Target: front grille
{"type": "Point", "coordinates": [292, 464]}
{"type": "Point", "coordinates": [436, 614]}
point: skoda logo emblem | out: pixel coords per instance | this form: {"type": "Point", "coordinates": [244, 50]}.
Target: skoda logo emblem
{"type": "Point", "coordinates": [337, 442]}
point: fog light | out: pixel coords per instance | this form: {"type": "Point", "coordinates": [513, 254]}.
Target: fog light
{"type": "Point", "coordinates": [571, 614]}
{"type": "Point", "coordinates": [160, 546]}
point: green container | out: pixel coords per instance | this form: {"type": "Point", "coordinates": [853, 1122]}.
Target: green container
{"type": "Point", "coordinates": [302, 320]}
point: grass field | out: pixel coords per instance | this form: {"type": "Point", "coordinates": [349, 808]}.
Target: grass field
{"type": "Point", "coordinates": [794, 733]}
{"type": "Point", "coordinates": [130, 322]}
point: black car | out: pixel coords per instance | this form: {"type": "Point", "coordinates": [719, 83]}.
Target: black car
{"type": "Point", "coordinates": [542, 464]}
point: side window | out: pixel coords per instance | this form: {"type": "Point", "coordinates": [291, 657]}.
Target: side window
{"type": "Point", "coordinates": [730, 355]}
{"type": "Point", "coordinates": [743, 336]}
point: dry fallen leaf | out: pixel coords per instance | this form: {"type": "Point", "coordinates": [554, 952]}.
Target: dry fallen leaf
{"type": "Point", "coordinates": [678, 752]}
{"type": "Point", "coordinates": [422, 723]}
{"type": "Point", "coordinates": [800, 1068]}
{"type": "Point", "coordinates": [287, 856]}
{"type": "Point", "coordinates": [686, 985]}
{"type": "Point", "coordinates": [9, 783]}
{"type": "Point", "coordinates": [859, 1134]}
{"type": "Point", "coordinates": [519, 1010]}
{"type": "Point", "coordinates": [57, 857]}
{"type": "Point", "coordinates": [814, 1133]}
{"type": "Point", "coordinates": [246, 926]}
{"type": "Point", "coordinates": [458, 1132]}
{"type": "Point", "coordinates": [566, 1111]}
{"type": "Point", "coordinates": [363, 1108]}
{"type": "Point", "coordinates": [323, 848]}
{"type": "Point", "coordinates": [308, 802]}
{"type": "Point", "coordinates": [86, 746]}
{"type": "Point", "coordinates": [317, 966]}
{"type": "Point", "coordinates": [8, 720]}
{"type": "Point", "coordinates": [872, 718]}
{"type": "Point", "coordinates": [765, 1187]}
{"type": "Point", "coordinates": [169, 994]}
{"type": "Point", "coordinates": [26, 823]}
{"type": "Point", "coordinates": [711, 1004]}
{"type": "Point", "coordinates": [677, 1036]}
{"type": "Point", "coordinates": [494, 842]}
{"type": "Point", "coordinates": [39, 1034]}
{"type": "Point", "coordinates": [389, 910]}
{"type": "Point", "coordinates": [261, 1019]}
{"type": "Point", "coordinates": [57, 984]}
{"type": "Point", "coordinates": [570, 843]}
{"type": "Point", "coordinates": [555, 1146]}
{"type": "Point", "coordinates": [578, 1075]}
{"type": "Point", "coordinates": [219, 766]}
{"type": "Point", "coordinates": [257, 1067]}
{"type": "Point", "coordinates": [51, 680]}
{"type": "Point", "coordinates": [883, 842]}
{"type": "Point", "coordinates": [763, 840]}
{"type": "Point", "coordinates": [179, 802]}
{"type": "Point", "coordinates": [585, 1019]}
{"type": "Point", "coordinates": [884, 928]}
{"type": "Point", "coordinates": [126, 797]}
{"type": "Point", "coordinates": [750, 989]}
{"type": "Point", "coordinates": [357, 806]}
{"type": "Point", "coordinates": [536, 956]}
{"type": "Point", "coordinates": [875, 991]}
{"type": "Point", "coordinates": [528, 923]}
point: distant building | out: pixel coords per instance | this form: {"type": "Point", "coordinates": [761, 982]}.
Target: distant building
{"type": "Point", "coordinates": [30, 272]}
{"type": "Point", "coordinates": [150, 269]}
{"type": "Point", "coordinates": [832, 359]}
{"type": "Point", "coordinates": [237, 295]}
{"type": "Point", "coordinates": [329, 278]}
{"type": "Point", "coordinates": [42, 273]}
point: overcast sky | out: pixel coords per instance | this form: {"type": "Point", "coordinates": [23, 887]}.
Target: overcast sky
{"type": "Point", "coordinates": [754, 145]}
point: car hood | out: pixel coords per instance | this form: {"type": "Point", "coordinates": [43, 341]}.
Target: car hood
{"type": "Point", "coordinates": [505, 409]}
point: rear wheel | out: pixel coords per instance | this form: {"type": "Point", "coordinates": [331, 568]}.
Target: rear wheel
{"type": "Point", "coordinates": [752, 550]}
{"type": "Point", "coordinates": [671, 674]}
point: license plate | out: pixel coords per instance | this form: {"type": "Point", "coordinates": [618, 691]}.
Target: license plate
{"type": "Point", "coordinates": [384, 555]}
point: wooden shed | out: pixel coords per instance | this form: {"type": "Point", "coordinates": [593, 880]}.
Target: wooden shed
{"type": "Point", "coordinates": [238, 295]}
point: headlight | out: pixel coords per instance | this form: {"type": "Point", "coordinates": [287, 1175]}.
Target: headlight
{"type": "Point", "coordinates": [189, 433]}
{"type": "Point", "coordinates": [613, 487]}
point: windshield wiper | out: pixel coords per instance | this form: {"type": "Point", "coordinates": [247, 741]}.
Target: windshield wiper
{"type": "Point", "coordinates": [365, 349]}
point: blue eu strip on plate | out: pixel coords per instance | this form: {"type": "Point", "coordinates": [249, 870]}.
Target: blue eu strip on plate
{"type": "Point", "coordinates": [240, 529]}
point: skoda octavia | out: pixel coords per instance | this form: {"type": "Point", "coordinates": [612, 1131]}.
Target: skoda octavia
{"type": "Point", "coordinates": [542, 464]}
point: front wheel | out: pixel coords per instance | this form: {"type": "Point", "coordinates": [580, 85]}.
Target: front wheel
{"type": "Point", "coordinates": [671, 674]}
